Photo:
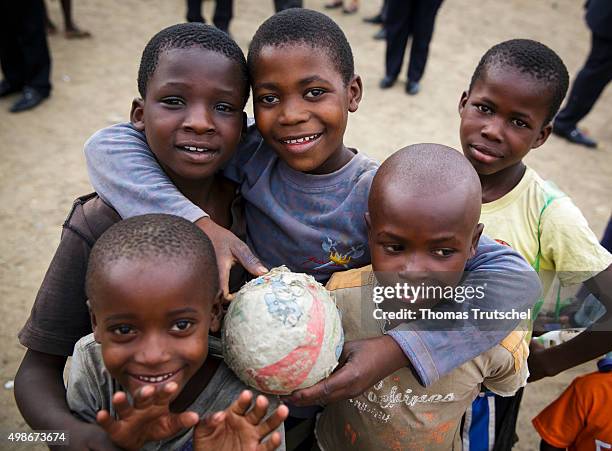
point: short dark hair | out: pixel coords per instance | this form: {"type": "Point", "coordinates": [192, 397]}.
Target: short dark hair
{"type": "Point", "coordinates": [187, 35]}
{"type": "Point", "coordinates": [532, 58]}
{"type": "Point", "coordinates": [162, 237]}
{"type": "Point", "coordinates": [304, 27]}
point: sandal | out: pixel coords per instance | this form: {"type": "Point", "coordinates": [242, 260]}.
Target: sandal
{"type": "Point", "coordinates": [351, 9]}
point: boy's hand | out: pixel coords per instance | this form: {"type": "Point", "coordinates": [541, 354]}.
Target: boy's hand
{"type": "Point", "coordinates": [148, 420]}
{"type": "Point", "coordinates": [89, 437]}
{"type": "Point", "coordinates": [536, 362]}
{"type": "Point", "coordinates": [234, 428]}
{"type": "Point", "coordinates": [229, 250]}
{"type": "Point", "coordinates": [362, 364]}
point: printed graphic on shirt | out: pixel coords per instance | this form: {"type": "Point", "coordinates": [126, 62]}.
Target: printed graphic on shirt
{"type": "Point", "coordinates": [338, 255]}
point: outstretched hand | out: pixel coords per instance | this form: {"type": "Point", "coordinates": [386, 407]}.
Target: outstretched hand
{"type": "Point", "coordinates": [229, 250]}
{"type": "Point", "coordinates": [362, 364]}
{"type": "Point", "coordinates": [237, 429]}
{"type": "Point", "coordinates": [149, 419]}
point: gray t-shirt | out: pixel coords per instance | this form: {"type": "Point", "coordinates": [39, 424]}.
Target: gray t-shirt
{"type": "Point", "coordinates": [91, 388]}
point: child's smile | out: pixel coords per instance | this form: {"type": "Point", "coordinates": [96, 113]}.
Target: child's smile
{"type": "Point", "coordinates": [301, 107]}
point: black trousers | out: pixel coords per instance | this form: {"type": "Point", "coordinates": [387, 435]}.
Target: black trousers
{"type": "Point", "coordinates": [24, 54]}
{"type": "Point", "coordinates": [224, 10]}
{"type": "Point", "coordinates": [589, 83]}
{"type": "Point", "coordinates": [405, 18]}
{"type": "Point", "coordinates": [280, 5]}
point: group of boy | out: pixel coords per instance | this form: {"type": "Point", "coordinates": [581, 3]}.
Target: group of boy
{"type": "Point", "coordinates": [289, 188]}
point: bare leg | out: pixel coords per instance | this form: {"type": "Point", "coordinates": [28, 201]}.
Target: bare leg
{"type": "Point", "coordinates": [72, 31]}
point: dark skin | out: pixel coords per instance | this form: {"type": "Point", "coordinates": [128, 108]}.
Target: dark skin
{"type": "Point", "coordinates": [502, 119]}
{"type": "Point", "coordinates": [403, 251]}
{"type": "Point", "coordinates": [545, 446]}
{"type": "Point", "coordinates": [178, 110]}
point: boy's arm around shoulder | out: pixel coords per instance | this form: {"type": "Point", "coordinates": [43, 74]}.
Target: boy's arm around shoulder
{"type": "Point", "coordinates": [508, 369]}
{"type": "Point", "coordinates": [509, 284]}
{"type": "Point", "coordinates": [125, 173]}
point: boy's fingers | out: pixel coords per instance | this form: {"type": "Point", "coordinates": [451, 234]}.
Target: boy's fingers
{"type": "Point", "coordinates": [122, 405]}
{"type": "Point", "coordinates": [258, 411]}
{"type": "Point", "coordinates": [275, 420]}
{"type": "Point", "coordinates": [207, 425]}
{"type": "Point", "coordinates": [163, 395]}
{"type": "Point", "coordinates": [271, 444]}
{"type": "Point", "coordinates": [241, 405]}
{"type": "Point", "coordinates": [104, 419]}
{"type": "Point", "coordinates": [144, 397]}
{"type": "Point", "coordinates": [247, 259]}
{"type": "Point", "coordinates": [328, 390]}
{"type": "Point", "coordinates": [184, 420]}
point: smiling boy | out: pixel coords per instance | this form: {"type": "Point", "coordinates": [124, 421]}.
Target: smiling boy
{"type": "Point", "coordinates": [193, 83]}
{"type": "Point", "coordinates": [153, 291]}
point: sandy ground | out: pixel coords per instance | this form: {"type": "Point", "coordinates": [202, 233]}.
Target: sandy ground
{"type": "Point", "coordinates": [42, 168]}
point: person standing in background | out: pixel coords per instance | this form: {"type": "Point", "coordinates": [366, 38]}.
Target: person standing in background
{"type": "Point", "coordinates": [71, 31]}
{"type": "Point", "coordinates": [24, 54]}
{"type": "Point", "coordinates": [405, 18]}
{"type": "Point", "coordinates": [280, 5]}
{"type": "Point", "coordinates": [592, 78]}
{"type": "Point", "coordinates": [222, 17]}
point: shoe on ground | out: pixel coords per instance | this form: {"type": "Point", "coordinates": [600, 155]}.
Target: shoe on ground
{"type": "Point", "coordinates": [377, 19]}
{"type": "Point", "coordinates": [381, 35]}
{"type": "Point", "coordinates": [30, 99]}
{"type": "Point", "coordinates": [6, 89]}
{"type": "Point", "coordinates": [574, 135]}
{"type": "Point", "coordinates": [412, 88]}
{"type": "Point", "coordinates": [350, 9]}
{"type": "Point", "coordinates": [386, 82]}
{"type": "Point", "coordinates": [333, 4]}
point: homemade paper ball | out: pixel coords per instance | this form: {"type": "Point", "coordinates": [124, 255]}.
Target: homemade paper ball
{"type": "Point", "coordinates": [282, 332]}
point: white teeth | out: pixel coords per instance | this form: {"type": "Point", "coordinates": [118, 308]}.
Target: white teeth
{"type": "Point", "coordinates": [195, 149]}
{"type": "Point", "coordinates": [155, 379]}
{"type": "Point", "coordinates": [301, 140]}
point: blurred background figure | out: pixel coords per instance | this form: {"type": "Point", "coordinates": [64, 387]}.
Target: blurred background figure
{"type": "Point", "coordinates": [592, 78]}
{"type": "Point", "coordinates": [406, 18]}
{"type": "Point", "coordinates": [221, 18]}
{"type": "Point", "coordinates": [379, 19]}
{"type": "Point", "coordinates": [71, 31]}
{"type": "Point", "coordinates": [351, 7]}
{"type": "Point", "coordinates": [24, 54]}
{"type": "Point", "coordinates": [280, 5]}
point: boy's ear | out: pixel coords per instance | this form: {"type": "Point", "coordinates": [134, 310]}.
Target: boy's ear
{"type": "Point", "coordinates": [94, 322]}
{"type": "Point", "coordinates": [355, 91]}
{"type": "Point", "coordinates": [216, 313]}
{"type": "Point", "coordinates": [543, 136]}
{"type": "Point", "coordinates": [462, 102]}
{"type": "Point", "coordinates": [475, 238]}
{"type": "Point", "coordinates": [137, 114]}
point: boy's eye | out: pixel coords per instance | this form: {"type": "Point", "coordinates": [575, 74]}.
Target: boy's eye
{"type": "Point", "coordinates": [483, 108]}
{"type": "Point", "coordinates": [123, 329]}
{"type": "Point", "coordinates": [173, 101]}
{"type": "Point", "coordinates": [314, 93]}
{"type": "Point", "coordinates": [269, 99]}
{"type": "Point", "coordinates": [393, 248]}
{"type": "Point", "coordinates": [181, 325]}
{"type": "Point", "coordinates": [443, 252]}
{"type": "Point", "coordinates": [224, 108]}
{"type": "Point", "coordinates": [520, 123]}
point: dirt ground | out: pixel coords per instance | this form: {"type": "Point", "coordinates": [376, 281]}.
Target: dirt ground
{"type": "Point", "coordinates": [42, 167]}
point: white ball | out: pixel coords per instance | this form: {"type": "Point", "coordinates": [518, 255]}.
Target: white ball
{"type": "Point", "coordinates": [282, 332]}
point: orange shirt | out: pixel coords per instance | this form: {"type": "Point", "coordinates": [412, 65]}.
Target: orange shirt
{"type": "Point", "coordinates": [581, 418]}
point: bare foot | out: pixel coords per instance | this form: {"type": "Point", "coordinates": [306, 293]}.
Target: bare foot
{"type": "Point", "coordinates": [76, 33]}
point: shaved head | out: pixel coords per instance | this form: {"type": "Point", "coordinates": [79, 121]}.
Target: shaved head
{"type": "Point", "coordinates": [430, 171]}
